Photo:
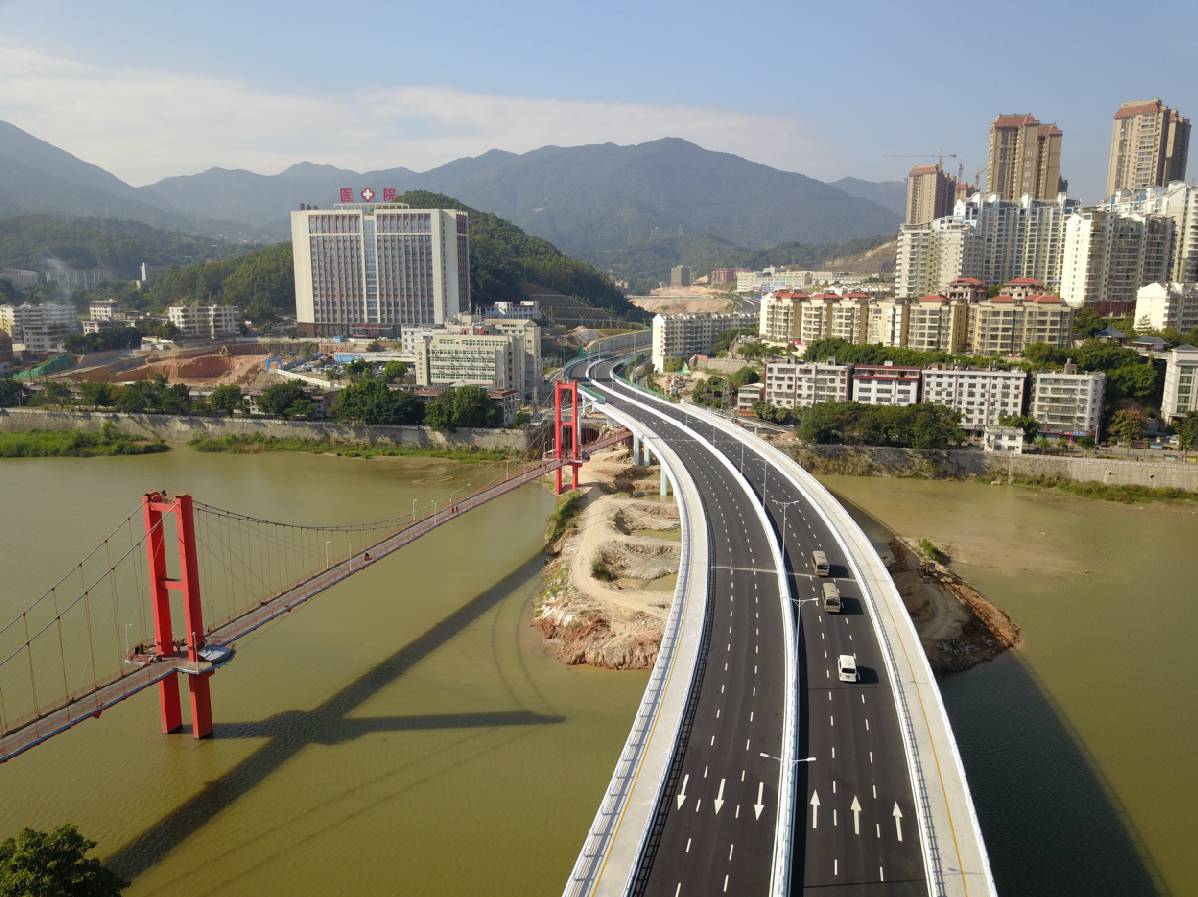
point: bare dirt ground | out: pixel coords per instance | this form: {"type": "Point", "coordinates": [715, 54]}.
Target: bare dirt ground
{"type": "Point", "coordinates": [680, 300]}
{"type": "Point", "coordinates": [958, 627]}
{"type": "Point", "coordinates": [610, 581]}
{"type": "Point", "coordinates": [203, 370]}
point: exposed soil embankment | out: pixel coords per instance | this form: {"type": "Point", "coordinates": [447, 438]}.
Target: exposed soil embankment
{"type": "Point", "coordinates": [610, 579]}
{"type": "Point", "coordinates": [958, 627]}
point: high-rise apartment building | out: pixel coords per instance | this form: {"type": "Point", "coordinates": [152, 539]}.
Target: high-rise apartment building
{"type": "Point", "coordinates": [1179, 203]}
{"type": "Point", "coordinates": [1024, 157]}
{"type": "Point", "coordinates": [680, 276]}
{"type": "Point", "coordinates": [1149, 145]}
{"type": "Point", "coordinates": [1109, 256]}
{"type": "Point", "coordinates": [931, 194]}
{"type": "Point", "coordinates": [887, 322]}
{"type": "Point", "coordinates": [369, 268]}
{"type": "Point", "coordinates": [937, 324]}
{"type": "Point", "coordinates": [1181, 383]}
{"type": "Point", "coordinates": [1167, 305]}
{"type": "Point", "coordinates": [40, 328]}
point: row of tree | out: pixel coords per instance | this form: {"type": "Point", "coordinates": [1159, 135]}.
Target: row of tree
{"type": "Point", "coordinates": [921, 426]}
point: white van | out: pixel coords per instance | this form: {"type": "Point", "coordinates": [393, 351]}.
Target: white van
{"type": "Point", "coordinates": [819, 563]}
{"type": "Point", "coordinates": [831, 599]}
{"type": "Point", "coordinates": [847, 665]}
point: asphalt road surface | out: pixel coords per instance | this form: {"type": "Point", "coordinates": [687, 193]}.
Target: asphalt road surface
{"type": "Point", "coordinates": [856, 830]}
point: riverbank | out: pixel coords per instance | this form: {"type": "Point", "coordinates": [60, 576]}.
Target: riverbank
{"type": "Point", "coordinates": [1111, 479]}
{"type": "Point", "coordinates": [257, 444]}
{"type": "Point", "coordinates": [613, 563]}
{"type": "Point", "coordinates": [75, 444]}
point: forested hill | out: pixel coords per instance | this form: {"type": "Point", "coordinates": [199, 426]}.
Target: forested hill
{"type": "Point", "coordinates": [40, 241]}
{"type": "Point", "coordinates": [502, 256]}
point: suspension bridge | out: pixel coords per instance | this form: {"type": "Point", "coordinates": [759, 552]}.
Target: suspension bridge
{"type": "Point", "coordinates": [173, 586]}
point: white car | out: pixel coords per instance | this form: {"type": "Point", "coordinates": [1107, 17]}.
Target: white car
{"type": "Point", "coordinates": [847, 664]}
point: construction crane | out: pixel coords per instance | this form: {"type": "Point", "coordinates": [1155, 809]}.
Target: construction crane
{"type": "Point", "coordinates": [940, 156]}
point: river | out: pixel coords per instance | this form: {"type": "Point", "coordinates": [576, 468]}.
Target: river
{"type": "Point", "coordinates": [404, 733]}
{"type": "Point", "coordinates": [1078, 746]}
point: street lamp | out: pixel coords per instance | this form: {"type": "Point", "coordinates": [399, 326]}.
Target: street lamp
{"type": "Point", "coordinates": [414, 500]}
{"type": "Point", "coordinates": [779, 759]}
{"type": "Point", "coordinates": [327, 543]}
{"type": "Point", "coordinates": [785, 505]}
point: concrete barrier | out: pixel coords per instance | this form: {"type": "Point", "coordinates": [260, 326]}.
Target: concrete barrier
{"type": "Point", "coordinates": [177, 429]}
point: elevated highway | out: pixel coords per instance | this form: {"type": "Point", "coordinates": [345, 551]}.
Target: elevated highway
{"type": "Point", "coordinates": [862, 788]}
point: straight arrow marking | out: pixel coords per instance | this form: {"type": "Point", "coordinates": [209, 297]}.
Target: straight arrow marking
{"type": "Point", "coordinates": [898, 821]}
{"type": "Point", "coordinates": [719, 798]}
{"type": "Point", "coordinates": [815, 809]}
{"type": "Point", "coordinates": [856, 808]}
{"type": "Point", "coordinates": [759, 806]}
{"type": "Point", "coordinates": [682, 791]}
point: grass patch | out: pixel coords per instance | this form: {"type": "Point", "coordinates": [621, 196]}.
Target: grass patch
{"type": "Point", "coordinates": [1121, 493]}
{"type": "Point", "coordinates": [256, 444]}
{"type": "Point", "coordinates": [567, 509]}
{"type": "Point", "coordinates": [932, 552]}
{"type": "Point", "coordinates": [602, 572]}
{"type": "Point", "coordinates": [76, 444]}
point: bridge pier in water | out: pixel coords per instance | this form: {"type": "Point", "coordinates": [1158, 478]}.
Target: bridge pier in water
{"type": "Point", "coordinates": [156, 508]}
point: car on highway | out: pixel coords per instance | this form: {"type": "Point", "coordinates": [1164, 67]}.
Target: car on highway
{"type": "Point", "coordinates": [831, 598]}
{"type": "Point", "coordinates": [847, 666]}
{"type": "Point", "coordinates": [819, 563]}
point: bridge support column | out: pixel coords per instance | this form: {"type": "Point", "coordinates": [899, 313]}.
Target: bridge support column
{"type": "Point", "coordinates": [636, 450]}
{"type": "Point", "coordinates": [155, 508]}
{"type": "Point", "coordinates": [663, 488]}
{"type": "Point", "coordinates": [568, 452]}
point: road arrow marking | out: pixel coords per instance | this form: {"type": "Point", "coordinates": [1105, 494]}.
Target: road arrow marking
{"type": "Point", "coordinates": [759, 806]}
{"type": "Point", "coordinates": [815, 809]}
{"type": "Point", "coordinates": [719, 798]}
{"type": "Point", "coordinates": [856, 808]}
{"type": "Point", "coordinates": [682, 791]}
{"type": "Point", "coordinates": [898, 821]}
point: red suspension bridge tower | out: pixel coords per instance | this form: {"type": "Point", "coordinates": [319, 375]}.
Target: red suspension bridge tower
{"type": "Point", "coordinates": [563, 450]}
{"type": "Point", "coordinates": [155, 509]}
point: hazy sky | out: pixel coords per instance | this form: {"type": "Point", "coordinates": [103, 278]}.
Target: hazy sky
{"type": "Point", "coordinates": [149, 89]}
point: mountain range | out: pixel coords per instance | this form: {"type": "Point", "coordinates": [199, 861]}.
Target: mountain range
{"type": "Point", "coordinates": [591, 201]}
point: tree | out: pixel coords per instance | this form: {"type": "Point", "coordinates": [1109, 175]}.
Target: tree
{"type": "Point", "coordinates": [132, 400]}
{"type": "Point", "coordinates": [11, 392]}
{"type": "Point", "coordinates": [288, 399]}
{"type": "Point", "coordinates": [744, 377]}
{"type": "Point", "coordinates": [8, 292]}
{"type": "Point", "coordinates": [1187, 431]}
{"type": "Point", "coordinates": [369, 401]}
{"type": "Point", "coordinates": [1126, 426]}
{"type": "Point", "coordinates": [225, 399]}
{"type": "Point", "coordinates": [394, 370]}
{"type": "Point", "coordinates": [1029, 425]}
{"type": "Point", "coordinates": [98, 393]}
{"type": "Point", "coordinates": [54, 864]}
{"type": "Point", "coordinates": [55, 392]}
{"type": "Point", "coordinates": [671, 364]}
{"type": "Point", "coordinates": [723, 342]}
{"type": "Point", "coordinates": [463, 406]}
{"type": "Point", "coordinates": [1088, 323]}
{"type": "Point", "coordinates": [1139, 381]}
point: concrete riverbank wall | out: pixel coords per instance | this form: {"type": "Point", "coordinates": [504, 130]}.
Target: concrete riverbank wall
{"type": "Point", "coordinates": [959, 463]}
{"type": "Point", "coordinates": [171, 428]}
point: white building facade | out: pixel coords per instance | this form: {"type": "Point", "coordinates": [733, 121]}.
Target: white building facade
{"type": "Point", "coordinates": [370, 268]}
{"type": "Point", "coordinates": [40, 328]}
{"type": "Point", "coordinates": [1181, 383]}
{"type": "Point", "coordinates": [681, 336]}
{"type": "Point", "coordinates": [982, 396]}
{"type": "Point", "coordinates": [1163, 305]}
{"type": "Point", "coordinates": [205, 321]}
{"type": "Point", "coordinates": [885, 384]}
{"type": "Point", "coordinates": [803, 384]}
{"type": "Point", "coordinates": [1068, 403]}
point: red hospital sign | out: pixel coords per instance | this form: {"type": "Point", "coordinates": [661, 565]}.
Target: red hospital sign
{"type": "Point", "coordinates": [347, 194]}
{"type": "Point", "coordinates": [389, 194]}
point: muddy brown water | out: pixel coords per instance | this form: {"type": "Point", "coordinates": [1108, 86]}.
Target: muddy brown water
{"type": "Point", "coordinates": [1079, 746]}
{"type": "Point", "coordinates": [403, 733]}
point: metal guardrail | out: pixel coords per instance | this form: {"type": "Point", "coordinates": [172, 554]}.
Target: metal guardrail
{"type": "Point", "coordinates": [784, 828]}
{"type": "Point", "coordinates": [589, 864]}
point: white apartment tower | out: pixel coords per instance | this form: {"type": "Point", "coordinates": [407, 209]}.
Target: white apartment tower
{"type": "Point", "coordinates": [1181, 383]}
{"type": "Point", "coordinates": [681, 336]}
{"type": "Point", "coordinates": [1109, 256]}
{"type": "Point", "coordinates": [1068, 403]}
{"type": "Point", "coordinates": [369, 268]}
{"type": "Point", "coordinates": [803, 384]}
{"type": "Point", "coordinates": [982, 396]}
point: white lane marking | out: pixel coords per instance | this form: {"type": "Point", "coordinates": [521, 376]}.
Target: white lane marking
{"type": "Point", "coordinates": [833, 786]}
{"type": "Point", "coordinates": [713, 741]}
{"type": "Point", "coordinates": [704, 772]}
{"type": "Point", "coordinates": [698, 803]}
{"type": "Point", "coordinates": [878, 830]}
{"type": "Point", "coordinates": [829, 695]}
{"type": "Point", "coordinates": [833, 753]}
{"type": "Point", "coordinates": [725, 666]}
{"type": "Point", "coordinates": [834, 822]}
{"type": "Point", "coordinates": [750, 716]}
{"type": "Point", "coordinates": [688, 845]}
{"type": "Point", "coordinates": [717, 713]}
{"type": "Point", "coordinates": [678, 890]}
{"type": "Point", "coordinates": [747, 744]}
{"type": "Point", "coordinates": [737, 816]}
{"type": "Point", "coordinates": [831, 720]}
{"type": "Point", "coordinates": [874, 788]}
{"type": "Point", "coordinates": [863, 699]}
{"type": "Point", "coordinates": [682, 790]}
{"type": "Point", "coordinates": [730, 846]}
{"type": "Point", "coordinates": [754, 669]}
{"type": "Point", "coordinates": [827, 675]}
{"type": "Point", "coordinates": [836, 867]}
{"type": "Point", "coordinates": [871, 756]}
{"type": "Point", "coordinates": [742, 775]}
{"type": "Point", "coordinates": [822, 636]}
{"type": "Point", "coordinates": [725, 884]}
{"type": "Point", "coordinates": [721, 688]}
{"type": "Point", "coordinates": [867, 724]}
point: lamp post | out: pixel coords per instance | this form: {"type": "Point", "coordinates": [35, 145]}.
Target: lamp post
{"type": "Point", "coordinates": [785, 505]}
{"type": "Point", "coordinates": [327, 543]}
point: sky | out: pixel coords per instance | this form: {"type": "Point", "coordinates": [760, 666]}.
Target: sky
{"type": "Point", "coordinates": [152, 89]}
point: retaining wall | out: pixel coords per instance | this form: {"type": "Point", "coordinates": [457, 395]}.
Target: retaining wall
{"type": "Point", "coordinates": [881, 461]}
{"type": "Point", "coordinates": [183, 429]}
